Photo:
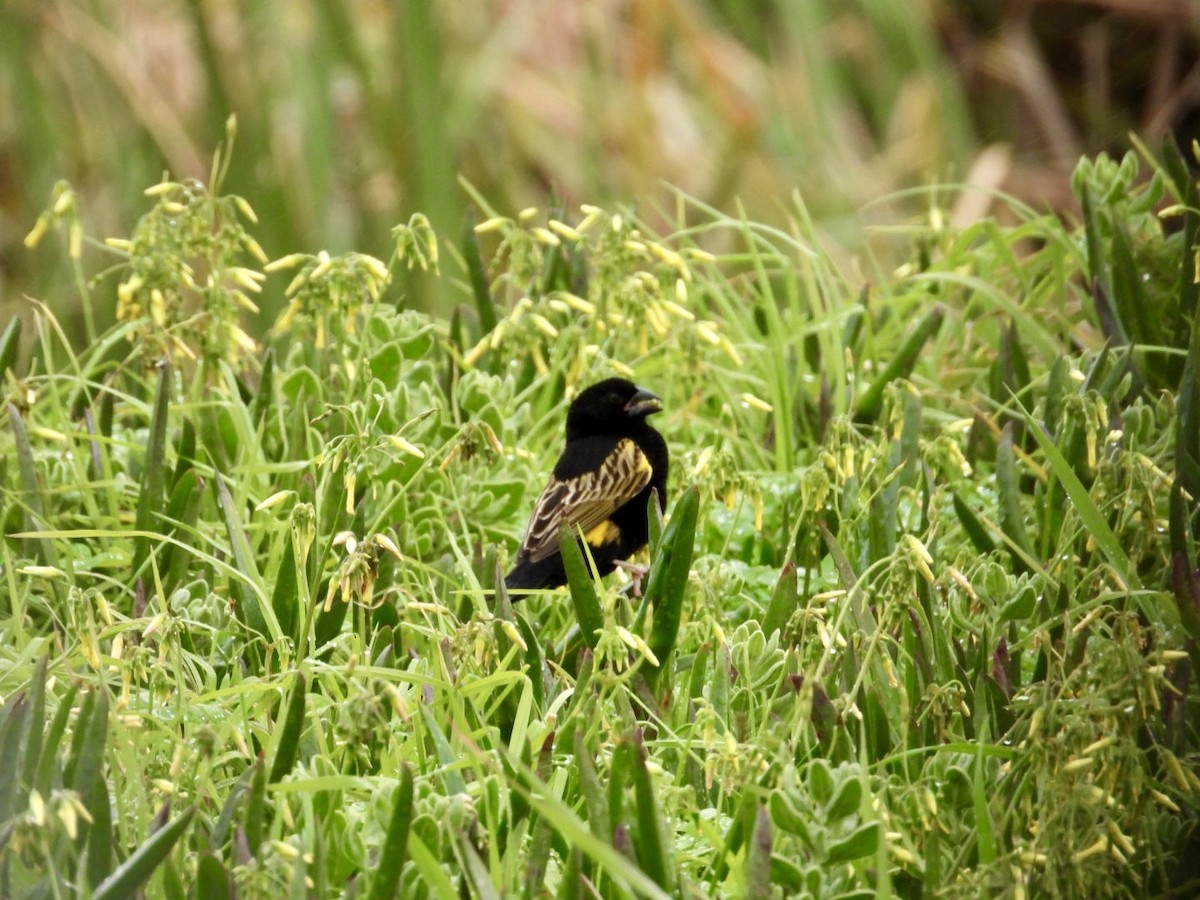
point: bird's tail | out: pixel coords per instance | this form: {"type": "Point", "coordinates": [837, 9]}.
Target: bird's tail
{"type": "Point", "coordinates": [534, 576]}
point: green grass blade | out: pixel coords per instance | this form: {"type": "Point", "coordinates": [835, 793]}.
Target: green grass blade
{"type": "Point", "coordinates": [395, 844]}
{"type": "Point", "coordinates": [88, 757]}
{"type": "Point", "coordinates": [668, 581]}
{"type": "Point", "coordinates": [254, 613]}
{"type": "Point", "coordinates": [9, 345]}
{"type": "Point", "coordinates": [900, 366]}
{"type": "Point", "coordinates": [581, 587]}
{"type": "Point", "coordinates": [136, 871]}
{"type": "Point", "coordinates": [654, 848]}
{"type": "Point", "coordinates": [758, 858]}
{"type": "Point", "coordinates": [784, 600]}
{"type": "Point", "coordinates": [287, 751]}
{"type": "Point", "coordinates": [154, 469]}
{"type": "Point", "coordinates": [212, 880]}
{"type": "Point", "coordinates": [1093, 519]}
{"type": "Point", "coordinates": [31, 489]}
{"type": "Point", "coordinates": [477, 276]}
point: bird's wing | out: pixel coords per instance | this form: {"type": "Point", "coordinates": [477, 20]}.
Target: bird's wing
{"type": "Point", "coordinates": [586, 500]}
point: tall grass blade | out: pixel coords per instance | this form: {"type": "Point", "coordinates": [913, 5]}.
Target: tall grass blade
{"type": "Point", "coordinates": [154, 469]}
{"type": "Point", "coordinates": [287, 751]}
{"type": "Point", "coordinates": [395, 843]}
{"type": "Point", "coordinates": [136, 871]}
{"type": "Point", "coordinates": [582, 589]}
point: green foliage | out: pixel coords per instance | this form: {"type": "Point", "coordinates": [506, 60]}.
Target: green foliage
{"type": "Point", "coordinates": [918, 618]}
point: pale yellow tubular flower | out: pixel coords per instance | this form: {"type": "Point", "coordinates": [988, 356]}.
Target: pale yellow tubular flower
{"type": "Point", "coordinates": [274, 500]}
{"type": "Point", "coordinates": [244, 302]}
{"type": "Point", "coordinates": [563, 230]}
{"type": "Point", "coordinates": [324, 264]}
{"type": "Point", "coordinates": [245, 209]}
{"type": "Point", "coordinates": [474, 354]}
{"type": "Point", "coordinates": [753, 402]}
{"type": "Point", "coordinates": [123, 244]}
{"type": "Point", "coordinates": [543, 325]}
{"type": "Point", "coordinates": [621, 369]}
{"type": "Point", "coordinates": [708, 334]}
{"type": "Point", "coordinates": [376, 267]}
{"type": "Point", "coordinates": [578, 304]}
{"type": "Point", "coordinates": [495, 223]}
{"type": "Point", "coordinates": [387, 544]}
{"type": "Point", "coordinates": [656, 320]}
{"type": "Point", "coordinates": [48, 434]}
{"type": "Point", "coordinates": [527, 213]}
{"type": "Point", "coordinates": [546, 236]}
{"type": "Point", "coordinates": [41, 571]}
{"type": "Point", "coordinates": [406, 446]}
{"type": "Point", "coordinates": [300, 279]}
{"type": "Point", "coordinates": [510, 630]}
{"type": "Point", "coordinates": [158, 307]}
{"type": "Point", "coordinates": [287, 317]}
{"type": "Point", "coordinates": [243, 340]}
{"type": "Point", "coordinates": [37, 232]}
{"type": "Point", "coordinates": [285, 262]}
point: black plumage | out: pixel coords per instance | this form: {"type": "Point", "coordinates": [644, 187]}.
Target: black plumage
{"type": "Point", "coordinates": [601, 484]}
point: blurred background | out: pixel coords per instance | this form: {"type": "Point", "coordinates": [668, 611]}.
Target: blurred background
{"type": "Point", "coordinates": [353, 114]}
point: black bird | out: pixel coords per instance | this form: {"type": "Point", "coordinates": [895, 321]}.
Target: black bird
{"type": "Point", "coordinates": [601, 484]}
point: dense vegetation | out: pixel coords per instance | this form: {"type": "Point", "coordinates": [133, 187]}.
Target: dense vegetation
{"type": "Point", "coordinates": [921, 618]}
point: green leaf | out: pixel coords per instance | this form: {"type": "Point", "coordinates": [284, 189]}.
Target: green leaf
{"type": "Point", "coordinates": [254, 824]}
{"type": "Point", "coordinates": [395, 844]}
{"type": "Point", "coordinates": [287, 751]}
{"type": "Point", "coordinates": [15, 721]}
{"type": "Point", "coordinates": [469, 244]}
{"type": "Point", "coordinates": [212, 881]}
{"type": "Point", "coordinates": [154, 469]}
{"type": "Point", "coordinates": [973, 527]}
{"type": "Point", "coordinates": [136, 871]}
{"type": "Point", "coordinates": [901, 364]}
{"type": "Point", "coordinates": [1092, 519]}
{"type": "Point", "coordinates": [653, 846]}
{"type": "Point", "coordinates": [788, 816]}
{"type": "Point", "coordinates": [758, 857]}
{"type": "Point", "coordinates": [985, 836]}
{"type": "Point", "coordinates": [581, 587]}
{"type": "Point", "coordinates": [593, 793]}
{"type": "Point", "coordinates": [667, 584]}
{"type": "Point", "coordinates": [10, 344]}
{"type": "Point", "coordinates": [251, 610]}
{"type": "Point", "coordinates": [1012, 516]}
{"type": "Point", "coordinates": [31, 490]}
{"type": "Point", "coordinates": [88, 756]}
{"type": "Point", "coordinates": [784, 600]}
{"type": "Point", "coordinates": [1021, 606]}
{"type": "Point", "coordinates": [846, 800]}
{"type": "Point", "coordinates": [859, 844]}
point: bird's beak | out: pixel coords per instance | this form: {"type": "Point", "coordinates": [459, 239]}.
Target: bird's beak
{"type": "Point", "coordinates": [643, 403]}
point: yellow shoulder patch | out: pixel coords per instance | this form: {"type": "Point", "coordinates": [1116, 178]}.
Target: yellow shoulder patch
{"type": "Point", "coordinates": [606, 532]}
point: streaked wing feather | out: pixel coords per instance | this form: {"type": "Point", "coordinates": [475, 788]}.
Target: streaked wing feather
{"type": "Point", "coordinates": [587, 500]}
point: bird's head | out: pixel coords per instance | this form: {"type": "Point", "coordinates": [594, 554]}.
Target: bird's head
{"type": "Point", "coordinates": [612, 406]}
